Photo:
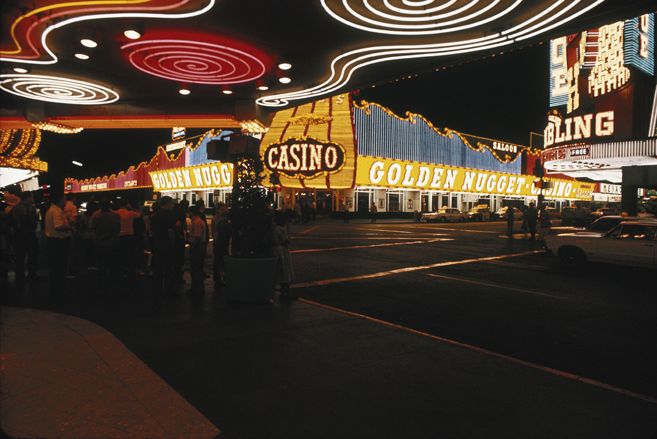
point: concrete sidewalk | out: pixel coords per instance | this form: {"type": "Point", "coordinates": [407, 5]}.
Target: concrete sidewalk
{"type": "Point", "coordinates": [64, 377]}
{"type": "Point", "coordinates": [295, 371]}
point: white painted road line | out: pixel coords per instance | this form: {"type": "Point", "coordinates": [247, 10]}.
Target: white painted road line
{"type": "Point", "coordinates": [495, 285]}
{"type": "Point", "coordinates": [407, 270]}
{"type": "Point", "coordinates": [390, 244]}
{"type": "Point", "coordinates": [484, 351]}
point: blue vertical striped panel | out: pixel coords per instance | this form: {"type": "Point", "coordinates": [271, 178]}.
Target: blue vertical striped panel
{"type": "Point", "coordinates": [380, 134]}
{"type": "Point", "coordinates": [199, 155]}
{"type": "Point", "coordinates": [631, 44]}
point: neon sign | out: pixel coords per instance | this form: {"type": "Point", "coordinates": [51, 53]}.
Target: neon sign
{"type": "Point", "coordinates": [57, 89]}
{"type": "Point", "coordinates": [580, 127]}
{"type": "Point", "coordinates": [304, 157]}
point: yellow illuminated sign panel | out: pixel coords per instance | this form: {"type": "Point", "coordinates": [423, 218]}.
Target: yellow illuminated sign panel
{"type": "Point", "coordinates": [388, 173]}
{"type": "Point", "coordinates": [208, 176]}
{"type": "Point", "coordinates": [321, 126]}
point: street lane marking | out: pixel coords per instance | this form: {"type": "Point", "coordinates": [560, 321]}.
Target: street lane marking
{"type": "Point", "coordinates": [407, 270]}
{"type": "Point", "coordinates": [390, 244]}
{"type": "Point", "coordinates": [494, 285]}
{"type": "Point", "coordinates": [386, 230]}
{"type": "Point", "coordinates": [308, 230]}
{"type": "Point", "coordinates": [520, 266]}
{"type": "Point", "coordinates": [379, 238]}
{"type": "Point", "coordinates": [483, 351]}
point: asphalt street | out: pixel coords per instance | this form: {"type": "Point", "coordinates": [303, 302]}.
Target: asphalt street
{"type": "Point", "coordinates": [401, 330]}
{"type": "Point", "coordinates": [596, 321]}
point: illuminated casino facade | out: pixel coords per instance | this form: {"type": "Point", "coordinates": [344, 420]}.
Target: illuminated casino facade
{"type": "Point", "coordinates": [603, 105]}
{"type": "Point", "coordinates": [347, 155]}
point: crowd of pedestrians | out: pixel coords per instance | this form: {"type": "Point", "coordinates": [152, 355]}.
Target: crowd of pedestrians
{"type": "Point", "coordinates": [123, 241]}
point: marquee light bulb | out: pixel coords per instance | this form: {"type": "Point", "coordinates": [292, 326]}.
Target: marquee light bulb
{"type": "Point", "coordinates": [285, 66]}
{"type": "Point", "coordinates": [82, 56]}
{"type": "Point", "coordinates": [284, 80]}
{"type": "Point", "coordinates": [132, 34]}
{"type": "Point", "coordinates": [86, 42]}
{"type": "Point", "coordinates": [20, 70]}
{"type": "Point", "coordinates": [227, 92]}
{"type": "Point", "coordinates": [184, 91]}
{"type": "Point", "coordinates": [263, 88]}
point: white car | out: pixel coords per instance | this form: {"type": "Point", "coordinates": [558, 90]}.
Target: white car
{"type": "Point", "coordinates": [443, 215]}
{"type": "Point", "coordinates": [629, 243]}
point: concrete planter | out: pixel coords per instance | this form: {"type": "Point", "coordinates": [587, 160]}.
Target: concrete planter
{"type": "Point", "coordinates": [249, 280]}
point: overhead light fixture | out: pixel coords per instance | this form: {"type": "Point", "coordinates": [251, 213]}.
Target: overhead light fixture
{"type": "Point", "coordinates": [83, 56]}
{"type": "Point", "coordinates": [76, 163]}
{"type": "Point", "coordinates": [263, 88]}
{"type": "Point", "coordinates": [57, 128]}
{"type": "Point", "coordinates": [284, 80]}
{"type": "Point", "coordinates": [132, 34]}
{"type": "Point", "coordinates": [227, 92]}
{"type": "Point", "coordinates": [86, 42]}
{"type": "Point", "coordinates": [184, 91]}
{"type": "Point", "coordinates": [20, 70]}
{"type": "Point", "coordinates": [285, 66]}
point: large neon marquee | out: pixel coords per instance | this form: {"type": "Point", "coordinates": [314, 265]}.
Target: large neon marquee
{"type": "Point", "coordinates": [429, 18]}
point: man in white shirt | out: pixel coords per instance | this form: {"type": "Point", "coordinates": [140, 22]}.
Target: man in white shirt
{"type": "Point", "coordinates": [58, 235]}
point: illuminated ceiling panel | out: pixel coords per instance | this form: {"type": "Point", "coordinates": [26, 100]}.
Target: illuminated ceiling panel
{"type": "Point", "coordinates": [196, 58]}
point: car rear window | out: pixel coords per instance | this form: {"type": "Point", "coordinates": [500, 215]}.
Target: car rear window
{"type": "Point", "coordinates": [634, 231]}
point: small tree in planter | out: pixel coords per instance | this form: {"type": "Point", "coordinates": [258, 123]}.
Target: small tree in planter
{"type": "Point", "coordinates": [251, 269]}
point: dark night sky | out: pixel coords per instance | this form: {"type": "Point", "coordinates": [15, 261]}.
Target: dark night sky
{"type": "Point", "coordinates": [503, 97]}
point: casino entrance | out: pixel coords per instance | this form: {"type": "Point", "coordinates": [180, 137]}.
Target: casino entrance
{"type": "Point", "coordinates": [321, 200]}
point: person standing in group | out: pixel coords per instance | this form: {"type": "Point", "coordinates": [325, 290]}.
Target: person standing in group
{"type": "Point", "coordinates": [280, 244]}
{"type": "Point", "coordinates": [127, 244]}
{"type": "Point", "coordinates": [163, 230]}
{"type": "Point", "coordinates": [106, 226]}
{"type": "Point", "coordinates": [313, 210]}
{"type": "Point", "coordinates": [24, 220]}
{"type": "Point", "coordinates": [58, 233]}
{"type": "Point", "coordinates": [373, 211]}
{"type": "Point", "coordinates": [180, 212]}
{"type": "Point", "coordinates": [510, 214]}
{"type": "Point", "coordinates": [198, 242]}
{"type": "Point", "coordinates": [530, 217]}
{"type": "Point", "coordinates": [221, 239]}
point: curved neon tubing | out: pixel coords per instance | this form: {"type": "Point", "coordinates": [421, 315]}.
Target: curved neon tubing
{"type": "Point", "coordinates": [54, 58]}
{"type": "Point", "coordinates": [58, 90]}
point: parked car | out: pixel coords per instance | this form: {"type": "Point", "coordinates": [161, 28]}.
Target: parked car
{"type": "Point", "coordinates": [577, 216]}
{"type": "Point", "coordinates": [599, 226]}
{"type": "Point", "coordinates": [480, 212]}
{"type": "Point", "coordinates": [501, 212]}
{"type": "Point", "coordinates": [629, 243]}
{"type": "Point", "coordinates": [553, 213]}
{"type": "Point", "coordinates": [604, 211]}
{"type": "Point", "coordinates": [444, 214]}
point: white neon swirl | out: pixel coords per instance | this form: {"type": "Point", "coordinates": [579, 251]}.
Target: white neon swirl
{"type": "Point", "coordinates": [58, 90]}
{"type": "Point", "coordinates": [429, 18]}
{"type": "Point", "coordinates": [418, 5]}
{"type": "Point", "coordinates": [421, 29]}
{"type": "Point", "coordinates": [49, 29]}
{"type": "Point", "coordinates": [343, 66]}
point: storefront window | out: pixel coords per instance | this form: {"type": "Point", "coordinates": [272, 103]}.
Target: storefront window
{"type": "Point", "coordinates": [425, 203]}
{"type": "Point", "coordinates": [434, 202]}
{"type": "Point", "coordinates": [455, 201]}
{"type": "Point", "coordinates": [393, 202]}
{"type": "Point", "coordinates": [363, 202]}
{"type": "Point", "coordinates": [445, 200]}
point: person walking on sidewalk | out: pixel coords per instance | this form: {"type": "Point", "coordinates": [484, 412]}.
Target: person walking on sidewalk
{"type": "Point", "coordinates": [221, 238]}
{"type": "Point", "coordinates": [531, 219]}
{"type": "Point", "coordinates": [280, 244]}
{"type": "Point", "coordinates": [198, 242]}
{"type": "Point", "coordinates": [163, 229]}
{"type": "Point", "coordinates": [58, 233]}
{"type": "Point", "coordinates": [127, 244]}
{"type": "Point", "coordinates": [510, 213]}
{"type": "Point", "coordinates": [24, 219]}
{"type": "Point", "coordinates": [373, 212]}
{"type": "Point", "coordinates": [106, 225]}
